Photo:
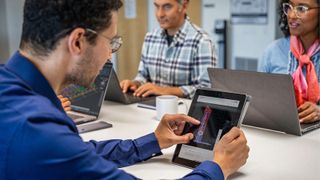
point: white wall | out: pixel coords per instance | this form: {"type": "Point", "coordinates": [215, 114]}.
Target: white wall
{"type": "Point", "coordinates": [211, 11]}
{"type": "Point", "coordinates": [249, 41]}
{"type": "Point", "coordinates": [246, 41]}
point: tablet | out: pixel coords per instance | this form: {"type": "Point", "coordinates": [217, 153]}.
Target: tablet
{"type": "Point", "coordinates": [218, 112]}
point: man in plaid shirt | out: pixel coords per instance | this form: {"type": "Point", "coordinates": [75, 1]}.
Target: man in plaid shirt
{"type": "Point", "coordinates": [175, 57]}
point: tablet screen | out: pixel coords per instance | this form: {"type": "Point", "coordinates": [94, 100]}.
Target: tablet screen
{"type": "Point", "coordinates": [217, 112]}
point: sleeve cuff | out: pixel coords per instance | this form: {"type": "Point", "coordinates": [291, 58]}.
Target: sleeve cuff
{"type": "Point", "coordinates": [148, 146]}
{"type": "Point", "coordinates": [208, 169]}
{"type": "Point", "coordinates": [188, 91]}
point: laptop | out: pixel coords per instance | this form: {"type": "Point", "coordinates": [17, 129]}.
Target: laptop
{"type": "Point", "coordinates": [86, 102]}
{"type": "Point", "coordinates": [273, 104]}
{"type": "Point", "coordinates": [114, 92]}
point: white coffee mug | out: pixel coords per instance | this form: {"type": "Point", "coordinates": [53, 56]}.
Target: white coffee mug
{"type": "Point", "coordinates": [166, 104]}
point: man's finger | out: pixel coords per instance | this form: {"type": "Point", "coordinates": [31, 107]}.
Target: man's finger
{"type": "Point", "coordinates": [125, 87]}
{"type": "Point", "coordinates": [138, 91]}
{"type": "Point", "coordinates": [141, 91]}
{"type": "Point", "coordinates": [133, 88]}
{"type": "Point", "coordinates": [148, 93]}
{"type": "Point", "coordinates": [183, 139]}
{"type": "Point", "coordinates": [233, 134]}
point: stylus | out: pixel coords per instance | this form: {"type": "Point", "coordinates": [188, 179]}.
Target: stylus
{"type": "Point", "coordinates": [218, 136]}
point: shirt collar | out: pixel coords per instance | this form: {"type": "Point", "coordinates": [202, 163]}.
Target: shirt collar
{"type": "Point", "coordinates": [28, 72]}
{"type": "Point", "coordinates": [181, 34]}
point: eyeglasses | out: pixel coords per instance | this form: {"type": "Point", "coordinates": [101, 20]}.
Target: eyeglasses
{"type": "Point", "coordinates": [115, 42]}
{"type": "Point", "coordinates": [299, 10]}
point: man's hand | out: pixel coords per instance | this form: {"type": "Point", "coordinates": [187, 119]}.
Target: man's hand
{"type": "Point", "coordinates": [231, 152]}
{"type": "Point", "coordinates": [129, 85]}
{"type": "Point", "coordinates": [170, 128]}
{"type": "Point", "coordinates": [149, 89]}
{"type": "Point", "coordinates": [152, 89]}
{"type": "Point", "coordinates": [66, 104]}
{"type": "Point", "coordinates": [309, 112]}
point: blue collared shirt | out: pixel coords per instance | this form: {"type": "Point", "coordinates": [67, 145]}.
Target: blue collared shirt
{"type": "Point", "coordinates": [39, 141]}
{"type": "Point", "coordinates": [181, 64]}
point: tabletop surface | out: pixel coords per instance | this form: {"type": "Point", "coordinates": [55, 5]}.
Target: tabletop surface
{"type": "Point", "coordinates": [273, 155]}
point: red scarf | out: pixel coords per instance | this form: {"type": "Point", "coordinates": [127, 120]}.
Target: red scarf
{"type": "Point", "coordinates": [306, 88]}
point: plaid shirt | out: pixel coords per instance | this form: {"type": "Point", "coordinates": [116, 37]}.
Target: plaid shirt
{"type": "Point", "coordinates": [182, 64]}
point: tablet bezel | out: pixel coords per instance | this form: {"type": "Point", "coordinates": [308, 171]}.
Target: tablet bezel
{"type": "Point", "coordinates": [243, 104]}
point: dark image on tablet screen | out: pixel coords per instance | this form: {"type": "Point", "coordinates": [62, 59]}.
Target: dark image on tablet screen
{"type": "Point", "coordinates": [215, 121]}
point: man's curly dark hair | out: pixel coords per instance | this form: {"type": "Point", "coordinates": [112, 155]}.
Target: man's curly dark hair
{"type": "Point", "coordinates": [283, 22]}
{"type": "Point", "coordinates": [45, 22]}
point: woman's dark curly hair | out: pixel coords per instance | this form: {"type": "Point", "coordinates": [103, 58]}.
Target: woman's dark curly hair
{"type": "Point", "coordinates": [45, 22]}
{"type": "Point", "coordinates": [283, 22]}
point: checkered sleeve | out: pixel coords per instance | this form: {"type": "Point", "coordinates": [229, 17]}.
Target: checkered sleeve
{"type": "Point", "coordinates": [205, 56]}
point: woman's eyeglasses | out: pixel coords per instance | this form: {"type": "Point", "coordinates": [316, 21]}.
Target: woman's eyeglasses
{"type": "Point", "coordinates": [299, 10]}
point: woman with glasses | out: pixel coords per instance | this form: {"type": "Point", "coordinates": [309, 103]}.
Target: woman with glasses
{"type": "Point", "coordinates": [298, 54]}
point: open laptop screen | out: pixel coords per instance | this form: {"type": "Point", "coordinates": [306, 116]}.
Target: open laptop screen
{"type": "Point", "coordinates": [89, 100]}
{"type": "Point", "coordinates": [273, 104]}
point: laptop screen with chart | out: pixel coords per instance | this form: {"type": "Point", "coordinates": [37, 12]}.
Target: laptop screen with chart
{"type": "Point", "coordinates": [88, 100]}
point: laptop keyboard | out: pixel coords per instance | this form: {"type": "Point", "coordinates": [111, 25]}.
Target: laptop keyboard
{"type": "Point", "coordinates": [133, 98]}
{"type": "Point", "coordinates": [76, 118]}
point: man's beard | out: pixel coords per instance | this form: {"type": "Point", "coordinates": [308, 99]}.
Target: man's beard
{"type": "Point", "coordinates": [82, 74]}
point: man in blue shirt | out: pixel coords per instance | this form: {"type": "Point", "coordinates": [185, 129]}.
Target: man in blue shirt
{"type": "Point", "coordinates": [69, 41]}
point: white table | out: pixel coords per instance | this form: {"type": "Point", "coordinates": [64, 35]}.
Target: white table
{"type": "Point", "coordinates": [273, 155]}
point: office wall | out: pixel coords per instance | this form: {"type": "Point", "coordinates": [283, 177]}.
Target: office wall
{"type": "Point", "coordinates": [246, 41]}
{"type": "Point", "coordinates": [249, 41]}
{"type": "Point", "coordinates": [4, 49]}
{"type": "Point", "coordinates": [213, 10]}
{"type": "Point", "coordinates": [11, 12]}
{"type": "Point", "coordinates": [14, 23]}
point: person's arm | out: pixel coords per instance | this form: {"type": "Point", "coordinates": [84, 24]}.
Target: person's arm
{"type": "Point", "coordinates": [127, 152]}
{"type": "Point", "coordinates": [230, 153]}
{"type": "Point", "coordinates": [55, 150]}
{"type": "Point", "coordinates": [153, 89]}
{"type": "Point", "coordinates": [264, 62]}
{"type": "Point", "coordinates": [204, 58]}
{"type": "Point", "coordinates": [206, 170]}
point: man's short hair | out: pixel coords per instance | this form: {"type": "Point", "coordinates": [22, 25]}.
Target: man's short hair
{"type": "Point", "coordinates": [45, 22]}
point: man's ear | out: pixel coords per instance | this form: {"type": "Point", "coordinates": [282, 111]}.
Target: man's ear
{"type": "Point", "coordinates": [76, 41]}
{"type": "Point", "coordinates": [184, 6]}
